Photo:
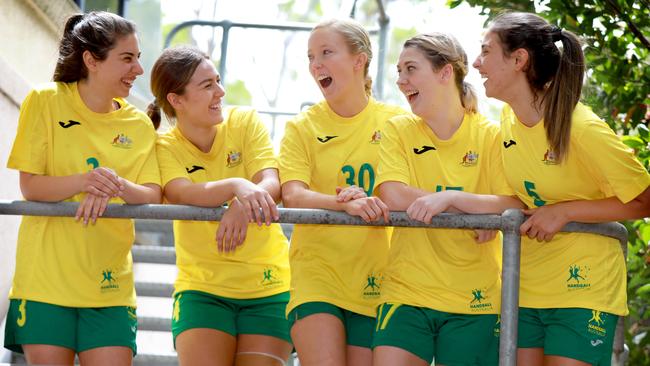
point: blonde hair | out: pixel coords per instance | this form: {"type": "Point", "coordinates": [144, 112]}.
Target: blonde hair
{"type": "Point", "coordinates": [442, 49]}
{"type": "Point", "coordinates": [357, 39]}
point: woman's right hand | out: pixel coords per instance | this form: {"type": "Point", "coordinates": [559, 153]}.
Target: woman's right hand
{"type": "Point", "coordinates": [368, 208]}
{"type": "Point", "coordinates": [257, 202]}
{"type": "Point", "coordinates": [103, 182]}
{"type": "Point", "coordinates": [232, 228]}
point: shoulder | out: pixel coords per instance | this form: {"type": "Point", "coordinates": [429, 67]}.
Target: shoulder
{"type": "Point", "coordinates": [310, 116]}
{"type": "Point", "coordinates": [385, 109]}
{"type": "Point", "coordinates": [403, 121]}
{"type": "Point", "coordinates": [51, 89]}
{"type": "Point", "coordinates": [585, 121]}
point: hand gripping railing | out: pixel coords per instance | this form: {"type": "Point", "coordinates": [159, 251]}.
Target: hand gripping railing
{"type": "Point", "coordinates": [508, 223]}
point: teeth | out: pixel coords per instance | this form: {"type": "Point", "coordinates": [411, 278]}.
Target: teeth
{"type": "Point", "coordinates": [410, 92]}
{"type": "Point", "coordinates": [322, 77]}
{"type": "Point", "coordinates": [128, 82]}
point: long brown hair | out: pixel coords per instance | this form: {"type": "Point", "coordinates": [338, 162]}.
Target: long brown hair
{"type": "Point", "coordinates": [96, 32]}
{"type": "Point", "coordinates": [170, 74]}
{"type": "Point", "coordinates": [558, 75]}
{"type": "Point", "coordinates": [442, 49]}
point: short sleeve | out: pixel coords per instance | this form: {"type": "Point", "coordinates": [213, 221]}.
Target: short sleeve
{"type": "Point", "coordinates": [150, 172]}
{"type": "Point", "coordinates": [259, 153]}
{"type": "Point", "coordinates": [612, 163]}
{"type": "Point", "coordinates": [30, 149]}
{"type": "Point", "coordinates": [393, 163]}
{"type": "Point", "coordinates": [495, 171]}
{"type": "Point", "coordinates": [294, 159]}
{"type": "Point", "coordinates": [170, 167]}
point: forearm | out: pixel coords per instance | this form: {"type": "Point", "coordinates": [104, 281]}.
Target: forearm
{"type": "Point", "coordinates": [137, 194]}
{"type": "Point", "coordinates": [306, 198]}
{"type": "Point", "coordinates": [272, 186]}
{"type": "Point", "coordinates": [46, 188]}
{"type": "Point", "coordinates": [603, 210]}
{"type": "Point", "coordinates": [208, 194]}
{"type": "Point", "coordinates": [399, 196]}
{"type": "Point", "coordinates": [472, 203]}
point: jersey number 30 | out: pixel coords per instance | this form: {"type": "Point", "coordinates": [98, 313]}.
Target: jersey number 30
{"type": "Point", "coordinates": [365, 171]}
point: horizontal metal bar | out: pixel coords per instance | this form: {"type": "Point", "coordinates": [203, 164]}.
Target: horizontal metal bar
{"type": "Point", "coordinates": [287, 215]}
{"type": "Point", "coordinates": [153, 254]}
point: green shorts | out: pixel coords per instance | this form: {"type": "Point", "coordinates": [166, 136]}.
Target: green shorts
{"type": "Point", "coordinates": [79, 329]}
{"type": "Point", "coordinates": [452, 339]}
{"type": "Point", "coordinates": [358, 328]}
{"type": "Point", "coordinates": [581, 334]}
{"type": "Point", "coordinates": [264, 315]}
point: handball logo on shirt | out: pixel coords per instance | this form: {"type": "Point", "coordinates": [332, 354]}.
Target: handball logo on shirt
{"type": "Point", "coordinates": [268, 278]}
{"type": "Point", "coordinates": [108, 283]}
{"type": "Point", "coordinates": [69, 124]}
{"type": "Point", "coordinates": [372, 290]}
{"type": "Point", "coordinates": [469, 159]}
{"type": "Point", "coordinates": [595, 325]}
{"type": "Point", "coordinates": [376, 137]}
{"type": "Point", "coordinates": [122, 141]}
{"type": "Point", "coordinates": [233, 158]}
{"type": "Point", "coordinates": [549, 158]}
{"type": "Point", "coordinates": [193, 169]}
{"type": "Point", "coordinates": [480, 300]}
{"type": "Point", "coordinates": [577, 278]}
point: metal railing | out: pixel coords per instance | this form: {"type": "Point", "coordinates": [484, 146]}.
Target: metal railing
{"type": "Point", "coordinates": [509, 223]}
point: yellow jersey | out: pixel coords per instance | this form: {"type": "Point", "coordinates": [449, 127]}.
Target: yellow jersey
{"type": "Point", "coordinates": [340, 265]}
{"type": "Point", "coordinates": [444, 269]}
{"type": "Point", "coordinates": [58, 261]}
{"type": "Point", "coordinates": [258, 268]}
{"type": "Point", "coordinates": [574, 270]}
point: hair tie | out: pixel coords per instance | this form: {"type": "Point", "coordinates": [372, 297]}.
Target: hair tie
{"type": "Point", "coordinates": [556, 33]}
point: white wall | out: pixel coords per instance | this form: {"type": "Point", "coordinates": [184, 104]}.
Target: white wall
{"type": "Point", "coordinates": [30, 31]}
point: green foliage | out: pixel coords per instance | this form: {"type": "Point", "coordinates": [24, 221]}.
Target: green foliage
{"type": "Point", "coordinates": [184, 37]}
{"type": "Point", "coordinates": [617, 51]}
{"type": "Point", "coordinates": [237, 94]}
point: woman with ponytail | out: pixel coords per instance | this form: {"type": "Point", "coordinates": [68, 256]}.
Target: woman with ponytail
{"type": "Point", "coordinates": [230, 293]}
{"type": "Point", "coordinates": [441, 289]}
{"type": "Point", "coordinates": [78, 140]}
{"type": "Point", "coordinates": [566, 165]}
{"type": "Point", "coordinates": [328, 160]}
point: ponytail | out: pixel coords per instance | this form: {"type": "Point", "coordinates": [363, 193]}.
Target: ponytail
{"type": "Point", "coordinates": [153, 111]}
{"type": "Point", "coordinates": [468, 98]}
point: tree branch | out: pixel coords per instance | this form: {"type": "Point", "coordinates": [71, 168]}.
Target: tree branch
{"type": "Point", "coordinates": [629, 23]}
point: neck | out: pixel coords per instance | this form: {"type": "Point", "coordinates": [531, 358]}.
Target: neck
{"type": "Point", "coordinates": [444, 122]}
{"type": "Point", "coordinates": [94, 98]}
{"type": "Point", "coordinates": [350, 104]}
{"type": "Point", "coordinates": [201, 137]}
{"type": "Point", "coordinates": [526, 104]}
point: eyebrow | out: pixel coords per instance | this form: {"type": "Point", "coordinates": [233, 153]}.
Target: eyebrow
{"type": "Point", "coordinates": [130, 54]}
{"type": "Point", "coordinates": [208, 80]}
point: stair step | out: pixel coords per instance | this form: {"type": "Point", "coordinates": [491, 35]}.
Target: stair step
{"type": "Point", "coordinates": [154, 289]}
{"type": "Point", "coordinates": [156, 324]}
{"type": "Point", "coordinates": [153, 254]}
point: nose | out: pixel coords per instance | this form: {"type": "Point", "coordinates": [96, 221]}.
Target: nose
{"type": "Point", "coordinates": [477, 63]}
{"type": "Point", "coordinates": [221, 91]}
{"type": "Point", "coordinates": [137, 68]}
{"type": "Point", "coordinates": [401, 79]}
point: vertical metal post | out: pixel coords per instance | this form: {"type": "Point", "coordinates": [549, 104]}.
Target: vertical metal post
{"type": "Point", "coordinates": [381, 57]}
{"type": "Point", "coordinates": [224, 50]}
{"type": "Point", "coordinates": [511, 220]}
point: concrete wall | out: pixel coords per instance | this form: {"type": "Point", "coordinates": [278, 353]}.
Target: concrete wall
{"type": "Point", "coordinates": [30, 31]}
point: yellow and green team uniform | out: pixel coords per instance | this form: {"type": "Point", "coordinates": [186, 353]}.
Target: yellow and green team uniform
{"type": "Point", "coordinates": [338, 265]}
{"type": "Point", "coordinates": [58, 261]}
{"type": "Point", "coordinates": [442, 269]}
{"type": "Point", "coordinates": [574, 270]}
{"type": "Point", "coordinates": [260, 267]}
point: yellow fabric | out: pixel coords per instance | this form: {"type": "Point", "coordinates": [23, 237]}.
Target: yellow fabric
{"type": "Point", "coordinates": [443, 269]}
{"type": "Point", "coordinates": [574, 270]}
{"type": "Point", "coordinates": [260, 267]}
{"type": "Point", "coordinates": [58, 261]}
{"type": "Point", "coordinates": [340, 265]}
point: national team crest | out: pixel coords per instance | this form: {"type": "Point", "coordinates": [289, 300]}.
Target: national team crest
{"type": "Point", "coordinates": [233, 159]}
{"type": "Point", "coordinates": [549, 158]}
{"type": "Point", "coordinates": [122, 141]}
{"type": "Point", "coordinates": [376, 137]}
{"type": "Point", "coordinates": [470, 158]}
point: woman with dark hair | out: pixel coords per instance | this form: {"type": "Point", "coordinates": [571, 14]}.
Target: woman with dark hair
{"type": "Point", "coordinates": [78, 140]}
{"type": "Point", "coordinates": [566, 165]}
{"type": "Point", "coordinates": [441, 289]}
{"type": "Point", "coordinates": [229, 298]}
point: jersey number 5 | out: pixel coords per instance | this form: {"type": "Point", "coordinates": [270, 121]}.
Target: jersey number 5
{"type": "Point", "coordinates": [530, 189]}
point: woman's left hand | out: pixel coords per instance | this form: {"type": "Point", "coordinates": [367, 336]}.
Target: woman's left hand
{"type": "Point", "coordinates": [91, 207]}
{"type": "Point", "coordinates": [426, 207]}
{"type": "Point", "coordinates": [544, 222]}
{"type": "Point", "coordinates": [232, 228]}
{"type": "Point", "coordinates": [349, 193]}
